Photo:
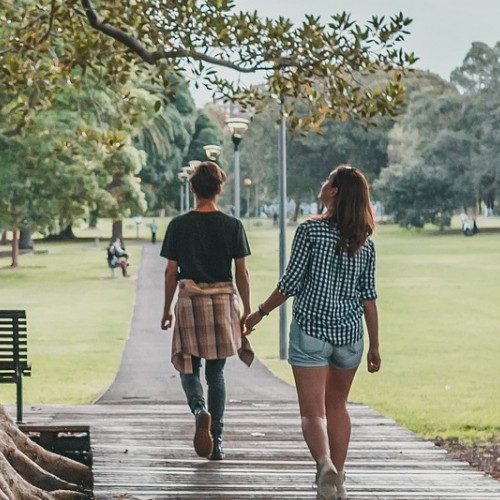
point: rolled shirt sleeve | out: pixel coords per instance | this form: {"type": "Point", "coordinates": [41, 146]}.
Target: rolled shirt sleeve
{"type": "Point", "coordinates": [292, 280]}
{"type": "Point", "coordinates": [366, 284]}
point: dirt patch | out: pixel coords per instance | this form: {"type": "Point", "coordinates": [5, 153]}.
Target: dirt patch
{"type": "Point", "coordinates": [484, 456]}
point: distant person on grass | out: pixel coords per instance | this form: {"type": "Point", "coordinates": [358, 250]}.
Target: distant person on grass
{"type": "Point", "coordinates": [117, 256]}
{"type": "Point", "coordinates": [200, 247]}
{"type": "Point", "coordinates": [331, 274]}
{"type": "Point", "coordinates": [154, 229]}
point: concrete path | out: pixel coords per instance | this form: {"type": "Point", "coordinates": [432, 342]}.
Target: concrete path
{"type": "Point", "coordinates": [146, 374]}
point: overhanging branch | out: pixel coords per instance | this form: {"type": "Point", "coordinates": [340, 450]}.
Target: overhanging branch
{"type": "Point", "coordinates": [152, 57]}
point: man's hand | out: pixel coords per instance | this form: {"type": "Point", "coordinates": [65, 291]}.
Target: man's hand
{"type": "Point", "coordinates": [373, 360]}
{"type": "Point", "coordinates": [243, 318]}
{"type": "Point", "coordinates": [252, 321]}
{"type": "Point", "coordinates": [166, 321]}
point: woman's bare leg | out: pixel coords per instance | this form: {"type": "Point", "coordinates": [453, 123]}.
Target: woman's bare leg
{"type": "Point", "coordinates": [310, 383]}
{"type": "Point", "coordinates": [338, 384]}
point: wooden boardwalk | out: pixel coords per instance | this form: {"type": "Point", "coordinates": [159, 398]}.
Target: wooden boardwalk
{"type": "Point", "coordinates": [144, 452]}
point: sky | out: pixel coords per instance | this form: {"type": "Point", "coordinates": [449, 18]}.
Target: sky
{"type": "Point", "coordinates": [441, 33]}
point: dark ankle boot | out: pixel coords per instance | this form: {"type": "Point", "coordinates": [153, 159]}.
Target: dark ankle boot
{"type": "Point", "coordinates": [203, 442]}
{"type": "Point", "coordinates": [217, 452]}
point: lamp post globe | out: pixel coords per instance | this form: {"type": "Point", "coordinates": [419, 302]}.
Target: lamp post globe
{"type": "Point", "coordinates": [193, 164]}
{"type": "Point", "coordinates": [212, 151]}
{"type": "Point", "coordinates": [237, 127]}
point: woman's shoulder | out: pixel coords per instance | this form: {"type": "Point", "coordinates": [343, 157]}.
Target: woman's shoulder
{"type": "Point", "coordinates": [368, 246]}
{"type": "Point", "coordinates": [317, 224]}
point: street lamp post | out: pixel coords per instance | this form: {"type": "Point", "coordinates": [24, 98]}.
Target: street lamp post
{"type": "Point", "coordinates": [188, 172]}
{"type": "Point", "coordinates": [182, 178]}
{"type": "Point", "coordinates": [248, 184]}
{"type": "Point", "coordinates": [237, 127]}
{"type": "Point", "coordinates": [282, 224]}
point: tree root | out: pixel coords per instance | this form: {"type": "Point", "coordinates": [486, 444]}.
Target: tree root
{"type": "Point", "coordinates": [29, 472]}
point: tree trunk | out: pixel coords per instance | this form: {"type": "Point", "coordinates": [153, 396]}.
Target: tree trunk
{"type": "Point", "coordinates": [67, 233]}
{"type": "Point", "coordinates": [117, 230]}
{"type": "Point", "coordinates": [93, 217]}
{"type": "Point", "coordinates": [25, 241]}
{"type": "Point", "coordinates": [296, 211]}
{"type": "Point", "coordinates": [256, 201]}
{"type": "Point", "coordinates": [28, 471]}
{"type": "Point", "coordinates": [15, 248]}
{"type": "Point", "coordinates": [3, 238]}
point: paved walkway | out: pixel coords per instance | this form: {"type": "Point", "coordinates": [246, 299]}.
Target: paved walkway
{"type": "Point", "coordinates": [141, 433]}
{"type": "Point", "coordinates": [146, 374]}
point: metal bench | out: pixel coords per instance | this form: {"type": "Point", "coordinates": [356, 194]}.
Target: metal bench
{"type": "Point", "coordinates": [14, 353]}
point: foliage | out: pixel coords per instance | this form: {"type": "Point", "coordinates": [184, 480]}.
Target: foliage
{"type": "Point", "coordinates": [480, 70]}
{"type": "Point", "coordinates": [416, 195]}
{"type": "Point", "coordinates": [310, 157]}
{"type": "Point", "coordinates": [451, 139]}
{"type": "Point", "coordinates": [48, 43]}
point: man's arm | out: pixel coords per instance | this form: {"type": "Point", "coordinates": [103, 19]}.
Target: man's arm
{"type": "Point", "coordinates": [243, 286]}
{"type": "Point", "coordinates": [170, 287]}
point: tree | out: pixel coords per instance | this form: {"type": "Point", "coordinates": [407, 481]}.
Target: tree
{"type": "Point", "coordinates": [315, 61]}
{"type": "Point", "coordinates": [310, 157]}
{"type": "Point", "coordinates": [27, 471]}
{"type": "Point", "coordinates": [416, 194]}
{"type": "Point", "coordinates": [480, 70]}
{"type": "Point", "coordinates": [171, 139]}
{"type": "Point", "coordinates": [428, 146]}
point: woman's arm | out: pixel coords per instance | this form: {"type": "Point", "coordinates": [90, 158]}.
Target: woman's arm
{"type": "Point", "coordinates": [272, 302]}
{"type": "Point", "coordinates": [371, 319]}
{"type": "Point", "coordinates": [170, 287]}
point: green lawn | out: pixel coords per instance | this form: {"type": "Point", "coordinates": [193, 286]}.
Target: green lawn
{"type": "Point", "coordinates": [438, 302]}
{"type": "Point", "coordinates": [78, 319]}
{"type": "Point", "coordinates": [440, 342]}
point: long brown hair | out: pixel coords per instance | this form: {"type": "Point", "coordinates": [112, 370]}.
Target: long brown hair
{"type": "Point", "coordinates": [351, 211]}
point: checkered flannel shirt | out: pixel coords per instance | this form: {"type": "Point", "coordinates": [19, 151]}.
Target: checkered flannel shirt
{"type": "Point", "coordinates": [328, 287]}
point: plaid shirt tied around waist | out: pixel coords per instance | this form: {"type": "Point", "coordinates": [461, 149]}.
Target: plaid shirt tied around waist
{"type": "Point", "coordinates": [207, 325]}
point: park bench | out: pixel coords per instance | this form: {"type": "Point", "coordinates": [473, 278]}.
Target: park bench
{"type": "Point", "coordinates": [14, 353]}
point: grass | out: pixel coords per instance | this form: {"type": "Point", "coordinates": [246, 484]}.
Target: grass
{"type": "Point", "coordinates": [438, 302]}
{"type": "Point", "coordinates": [77, 319]}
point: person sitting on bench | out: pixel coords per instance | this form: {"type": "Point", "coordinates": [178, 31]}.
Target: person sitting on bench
{"type": "Point", "coordinates": [117, 257]}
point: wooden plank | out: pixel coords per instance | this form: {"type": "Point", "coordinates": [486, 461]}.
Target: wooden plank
{"type": "Point", "coordinates": [145, 452]}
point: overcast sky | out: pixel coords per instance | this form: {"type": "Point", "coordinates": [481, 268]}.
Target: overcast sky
{"type": "Point", "coordinates": [441, 33]}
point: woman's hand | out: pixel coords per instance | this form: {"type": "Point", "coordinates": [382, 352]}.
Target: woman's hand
{"type": "Point", "coordinates": [251, 321]}
{"type": "Point", "coordinates": [373, 360]}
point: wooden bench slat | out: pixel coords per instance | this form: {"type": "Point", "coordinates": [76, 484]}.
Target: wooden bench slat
{"type": "Point", "coordinates": [14, 352]}
{"type": "Point", "coordinates": [7, 365]}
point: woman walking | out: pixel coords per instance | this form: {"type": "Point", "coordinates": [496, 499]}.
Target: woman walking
{"type": "Point", "coordinates": [331, 274]}
{"type": "Point", "coordinates": [200, 247]}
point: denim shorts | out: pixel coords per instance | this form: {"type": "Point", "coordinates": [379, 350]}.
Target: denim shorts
{"type": "Point", "coordinates": [305, 350]}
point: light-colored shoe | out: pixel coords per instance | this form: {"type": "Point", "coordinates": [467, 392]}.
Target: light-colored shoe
{"type": "Point", "coordinates": [326, 478]}
{"type": "Point", "coordinates": [340, 490]}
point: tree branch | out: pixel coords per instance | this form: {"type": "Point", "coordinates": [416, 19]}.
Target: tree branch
{"type": "Point", "coordinates": [152, 57]}
{"type": "Point", "coordinates": [51, 21]}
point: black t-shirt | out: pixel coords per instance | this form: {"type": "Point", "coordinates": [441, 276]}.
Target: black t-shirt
{"type": "Point", "coordinates": [204, 245]}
